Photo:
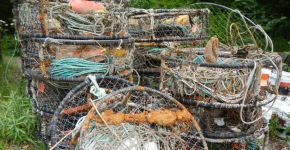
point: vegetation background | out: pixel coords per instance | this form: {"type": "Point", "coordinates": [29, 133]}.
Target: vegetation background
{"type": "Point", "coordinates": [16, 125]}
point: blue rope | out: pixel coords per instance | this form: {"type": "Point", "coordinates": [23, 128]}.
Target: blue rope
{"type": "Point", "coordinates": [71, 67]}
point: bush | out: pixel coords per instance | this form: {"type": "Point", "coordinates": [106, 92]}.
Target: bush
{"type": "Point", "coordinates": [8, 45]}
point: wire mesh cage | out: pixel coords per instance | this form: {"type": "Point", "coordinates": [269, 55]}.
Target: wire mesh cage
{"type": "Point", "coordinates": [158, 25]}
{"type": "Point", "coordinates": [131, 117]}
{"type": "Point", "coordinates": [243, 142]}
{"type": "Point", "coordinates": [232, 81]}
{"type": "Point", "coordinates": [77, 58]}
{"type": "Point", "coordinates": [233, 29]}
{"type": "Point", "coordinates": [74, 38]}
{"type": "Point", "coordinates": [235, 51]}
{"type": "Point", "coordinates": [76, 17]}
{"type": "Point", "coordinates": [48, 95]}
{"type": "Point", "coordinates": [155, 30]}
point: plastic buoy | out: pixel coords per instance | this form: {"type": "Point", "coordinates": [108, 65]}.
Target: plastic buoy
{"type": "Point", "coordinates": [85, 7]}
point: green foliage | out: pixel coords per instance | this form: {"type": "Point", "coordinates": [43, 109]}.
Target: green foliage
{"type": "Point", "coordinates": [274, 126]}
{"type": "Point", "coordinates": [287, 51]}
{"type": "Point", "coordinates": [3, 144]}
{"type": "Point", "coordinates": [39, 145]}
{"type": "Point", "coordinates": [8, 45]}
{"type": "Point", "coordinates": [280, 44]}
{"type": "Point", "coordinates": [16, 119]}
{"type": "Point", "coordinates": [13, 80]}
{"type": "Point", "coordinates": [286, 68]}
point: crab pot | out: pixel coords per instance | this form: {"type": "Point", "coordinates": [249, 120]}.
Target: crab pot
{"type": "Point", "coordinates": [77, 58]}
{"type": "Point", "coordinates": [153, 29]}
{"type": "Point", "coordinates": [77, 37]}
{"type": "Point", "coordinates": [79, 18]}
{"type": "Point", "coordinates": [51, 92]}
{"type": "Point", "coordinates": [133, 103]}
{"type": "Point", "coordinates": [232, 27]}
{"type": "Point", "coordinates": [187, 75]}
{"type": "Point", "coordinates": [158, 25]}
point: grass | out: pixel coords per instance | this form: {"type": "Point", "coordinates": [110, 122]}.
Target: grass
{"type": "Point", "coordinates": [17, 122]}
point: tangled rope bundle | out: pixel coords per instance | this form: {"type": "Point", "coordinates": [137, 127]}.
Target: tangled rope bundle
{"type": "Point", "coordinates": [99, 23]}
{"type": "Point", "coordinates": [224, 84]}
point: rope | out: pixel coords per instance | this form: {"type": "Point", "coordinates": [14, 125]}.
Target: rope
{"type": "Point", "coordinates": [71, 67]}
{"type": "Point", "coordinates": [103, 22]}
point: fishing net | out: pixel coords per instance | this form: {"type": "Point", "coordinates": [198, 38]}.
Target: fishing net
{"type": "Point", "coordinates": [132, 117]}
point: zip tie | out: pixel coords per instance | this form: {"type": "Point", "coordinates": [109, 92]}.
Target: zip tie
{"type": "Point", "coordinates": [95, 89]}
{"type": "Point", "coordinates": [119, 47]}
{"type": "Point", "coordinates": [93, 79]}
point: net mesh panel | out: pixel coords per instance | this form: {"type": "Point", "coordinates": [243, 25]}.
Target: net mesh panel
{"type": "Point", "coordinates": [49, 94]}
{"type": "Point", "coordinates": [150, 25]}
{"type": "Point", "coordinates": [78, 106]}
{"type": "Point", "coordinates": [224, 121]}
{"type": "Point", "coordinates": [142, 116]}
{"type": "Point", "coordinates": [46, 95]}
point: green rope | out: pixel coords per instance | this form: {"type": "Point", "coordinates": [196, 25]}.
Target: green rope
{"type": "Point", "coordinates": [251, 145]}
{"type": "Point", "coordinates": [71, 67]}
{"type": "Point", "coordinates": [156, 51]}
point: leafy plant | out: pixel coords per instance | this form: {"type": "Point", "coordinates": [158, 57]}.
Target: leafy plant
{"type": "Point", "coordinates": [286, 68]}
{"type": "Point", "coordinates": [17, 123]}
{"type": "Point", "coordinates": [274, 126]}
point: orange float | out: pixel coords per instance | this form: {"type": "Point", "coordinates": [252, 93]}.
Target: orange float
{"type": "Point", "coordinates": [85, 7]}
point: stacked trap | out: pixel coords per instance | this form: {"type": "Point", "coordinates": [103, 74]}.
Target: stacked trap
{"type": "Point", "coordinates": [221, 80]}
{"type": "Point", "coordinates": [61, 42]}
{"type": "Point", "coordinates": [199, 67]}
{"type": "Point", "coordinates": [154, 30]}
